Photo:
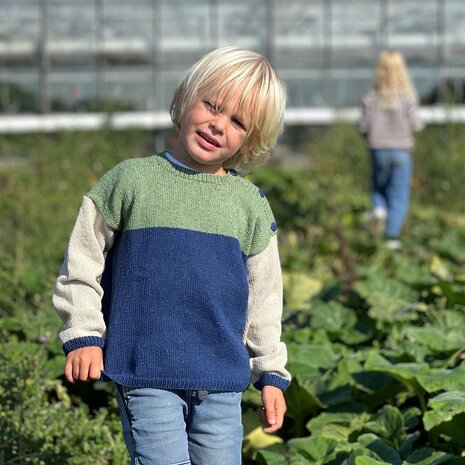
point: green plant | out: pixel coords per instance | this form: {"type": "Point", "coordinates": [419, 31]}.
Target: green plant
{"type": "Point", "coordinates": [374, 337]}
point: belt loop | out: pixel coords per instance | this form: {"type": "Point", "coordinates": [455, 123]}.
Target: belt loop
{"type": "Point", "coordinates": [202, 395]}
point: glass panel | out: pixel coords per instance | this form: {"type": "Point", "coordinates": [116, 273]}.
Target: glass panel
{"type": "Point", "coordinates": [19, 31]}
{"type": "Point", "coordinates": [128, 31]}
{"type": "Point", "coordinates": [413, 29]}
{"type": "Point", "coordinates": [19, 20]}
{"type": "Point", "coordinates": [72, 32]}
{"type": "Point", "coordinates": [166, 83]}
{"type": "Point", "coordinates": [304, 88]}
{"type": "Point", "coordinates": [18, 90]}
{"type": "Point", "coordinates": [72, 89]}
{"type": "Point", "coordinates": [132, 53]}
{"type": "Point", "coordinates": [128, 89]}
{"type": "Point", "coordinates": [243, 24]}
{"type": "Point", "coordinates": [299, 33]}
{"type": "Point", "coordinates": [186, 30]}
{"type": "Point", "coordinates": [454, 32]}
{"type": "Point", "coordinates": [426, 82]}
{"type": "Point", "coordinates": [356, 33]}
{"type": "Point", "coordinates": [348, 86]}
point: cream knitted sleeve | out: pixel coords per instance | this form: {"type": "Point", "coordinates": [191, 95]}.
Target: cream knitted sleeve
{"type": "Point", "coordinates": [268, 355]}
{"type": "Point", "coordinates": [77, 293]}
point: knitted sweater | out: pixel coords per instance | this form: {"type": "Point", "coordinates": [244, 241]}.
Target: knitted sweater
{"type": "Point", "coordinates": [176, 275]}
{"type": "Point", "coordinates": [389, 127]}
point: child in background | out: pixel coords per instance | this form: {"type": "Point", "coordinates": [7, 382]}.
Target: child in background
{"type": "Point", "coordinates": [389, 119]}
{"type": "Point", "coordinates": [171, 284]}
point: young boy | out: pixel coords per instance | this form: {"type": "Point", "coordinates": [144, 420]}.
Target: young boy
{"type": "Point", "coordinates": [171, 284]}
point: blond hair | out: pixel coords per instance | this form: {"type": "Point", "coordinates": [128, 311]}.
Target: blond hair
{"type": "Point", "coordinates": [392, 81]}
{"type": "Point", "coordinates": [224, 71]}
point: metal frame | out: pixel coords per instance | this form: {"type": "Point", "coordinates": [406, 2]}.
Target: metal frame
{"type": "Point", "coordinates": [116, 63]}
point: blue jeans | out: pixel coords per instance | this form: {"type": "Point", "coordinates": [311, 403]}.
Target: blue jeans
{"type": "Point", "coordinates": [391, 175]}
{"type": "Point", "coordinates": [162, 427]}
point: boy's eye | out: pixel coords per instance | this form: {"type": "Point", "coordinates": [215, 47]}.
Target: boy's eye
{"type": "Point", "coordinates": [238, 123]}
{"type": "Point", "coordinates": [210, 106]}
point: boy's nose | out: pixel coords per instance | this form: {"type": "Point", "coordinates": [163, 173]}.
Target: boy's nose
{"type": "Point", "coordinates": [218, 123]}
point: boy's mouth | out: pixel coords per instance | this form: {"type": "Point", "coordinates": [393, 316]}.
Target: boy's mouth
{"type": "Point", "coordinates": [208, 139]}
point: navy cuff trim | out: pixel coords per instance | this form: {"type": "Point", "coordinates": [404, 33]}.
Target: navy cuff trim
{"type": "Point", "coordinates": [271, 379]}
{"type": "Point", "coordinates": [79, 342]}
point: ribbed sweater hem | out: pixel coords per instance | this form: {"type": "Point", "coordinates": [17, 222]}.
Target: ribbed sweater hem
{"type": "Point", "coordinates": [270, 379]}
{"type": "Point", "coordinates": [84, 341]}
{"type": "Point", "coordinates": [187, 385]}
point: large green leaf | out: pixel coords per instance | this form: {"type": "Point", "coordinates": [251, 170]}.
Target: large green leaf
{"type": "Point", "coordinates": [419, 277]}
{"type": "Point", "coordinates": [335, 386]}
{"type": "Point", "coordinates": [331, 316]}
{"type": "Point", "coordinates": [406, 373]}
{"type": "Point", "coordinates": [384, 451]}
{"type": "Point", "coordinates": [388, 423]}
{"type": "Point", "coordinates": [300, 400]}
{"type": "Point", "coordinates": [412, 417]}
{"type": "Point", "coordinates": [407, 444]}
{"type": "Point", "coordinates": [439, 269]}
{"type": "Point", "coordinates": [364, 460]}
{"type": "Point", "coordinates": [373, 387]}
{"type": "Point", "coordinates": [389, 287]}
{"type": "Point", "coordinates": [316, 449]}
{"type": "Point", "coordinates": [375, 359]}
{"type": "Point", "coordinates": [401, 348]}
{"type": "Point", "coordinates": [427, 456]}
{"type": "Point", "coordinates": [356, 451]}
{"type": "Point", "coordinates": [265, 457]}
{"type": "Point", "coordinates": [455, 318]}
{"type": "Point", "coordinates": [443, 379]}
{"type": "Point", "coordinates": [444, 407]}
{"type": "Point", "coordinates": [299, 288]}
{"type": "Point", "coordinates": [338, 426]}
{"type": "Point", "coordinates": [257, 439]}
{"type": "Point", "coordinates": [361, 332]}
{"type": "Point", "coordinates": [451, 247]}
{"type": "Point", "coordinates": [393, 309]}
{"type": "Point", "coordinates": [307, 360]}
{"type": "Point", "coordinates": [390, 301]}
{"type": "Point", "coordinates": [435, 339]}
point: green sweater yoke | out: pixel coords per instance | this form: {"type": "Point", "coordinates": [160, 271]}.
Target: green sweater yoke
{"type": "Point", "coordinates": [152, 192]}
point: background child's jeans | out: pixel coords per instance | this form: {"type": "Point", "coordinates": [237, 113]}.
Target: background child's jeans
{"type": "Point", "coordinates": [177, 427]}
{"type": "Point", "coordinates": [391, 174]}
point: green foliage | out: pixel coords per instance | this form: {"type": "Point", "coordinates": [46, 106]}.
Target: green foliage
{"type": "Point", "coordinates": [438, 175]}
{"type": "Point", "coordinates": [38, 423]}
{"type": "Point", "coordinates": [374, 337]}
{"type": "Point", "coordinates": [39, 200]}
{"type": "Point", "coordinates": [41, 421]}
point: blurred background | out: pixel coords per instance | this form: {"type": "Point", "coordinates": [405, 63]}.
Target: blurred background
{"type": "Point", "coordinates": [375, 337]}
{"type": "Point", "coordinates": [128, 55]}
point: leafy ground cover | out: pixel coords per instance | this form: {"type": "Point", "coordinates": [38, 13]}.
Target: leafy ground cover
{"type": "Point", "coordinates": [375, 338]}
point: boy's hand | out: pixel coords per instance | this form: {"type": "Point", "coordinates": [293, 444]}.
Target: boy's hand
{"type": "Point", "coordinates": [85, 364]}
{"type": "Point", "coordinates": [273, 410]}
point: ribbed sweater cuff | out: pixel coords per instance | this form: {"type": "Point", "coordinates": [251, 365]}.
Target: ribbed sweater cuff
{"type": "Point", "coordinates": [271, 379]}
{"type": "Point", "coordinates": [85, 341]}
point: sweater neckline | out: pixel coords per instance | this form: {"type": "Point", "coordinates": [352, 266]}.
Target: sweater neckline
{"type": "Point", "coordinates": [193, 175]}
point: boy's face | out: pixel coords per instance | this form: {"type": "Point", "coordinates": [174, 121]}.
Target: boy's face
{"type": "Point", "coordinates": [211, 133]}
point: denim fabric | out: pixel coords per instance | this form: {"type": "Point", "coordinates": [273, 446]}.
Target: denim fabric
{"type": "Point", "coordinates": [391, 175]}
{"type": "Point", "coordinates": [174, 427]}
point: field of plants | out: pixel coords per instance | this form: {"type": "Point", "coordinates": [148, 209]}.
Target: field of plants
{"type": "Point", "coordinates": [375, 338]}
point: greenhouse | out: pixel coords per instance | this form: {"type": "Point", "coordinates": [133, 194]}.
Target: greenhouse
{"type": "Point", "coordinates": [120, 55]}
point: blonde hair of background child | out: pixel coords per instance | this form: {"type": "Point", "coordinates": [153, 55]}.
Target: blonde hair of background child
{"type": "Point", "coordinates": [392, 81]}
{"type": "Point", "coordinates": [263, 97]}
